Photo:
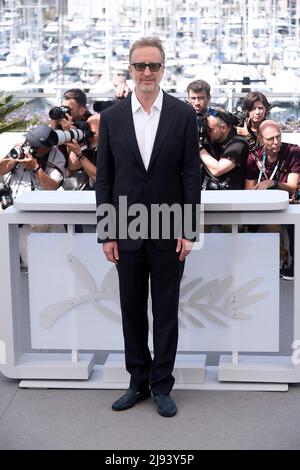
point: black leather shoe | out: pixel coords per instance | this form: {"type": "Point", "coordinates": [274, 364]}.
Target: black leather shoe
{"type": "Point", "coordinates": [130, 398]}
{"type": "Point", "coordinates": [165, 406]}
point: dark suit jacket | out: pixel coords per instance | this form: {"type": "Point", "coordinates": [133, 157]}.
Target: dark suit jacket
{"type": "Point", "coordinates": [173, 174]}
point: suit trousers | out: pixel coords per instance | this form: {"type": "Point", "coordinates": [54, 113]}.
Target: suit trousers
{"type": "Point", "coordinates": [164, 270]}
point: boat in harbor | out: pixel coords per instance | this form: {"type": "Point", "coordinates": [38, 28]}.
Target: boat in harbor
{"type": "Point", "coordinates": [14, 77]}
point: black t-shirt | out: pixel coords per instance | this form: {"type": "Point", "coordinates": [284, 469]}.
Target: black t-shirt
{"type": "Point", "coordinates": [236, 149]}
{"type": "Point", "coordinates": [91, 155]}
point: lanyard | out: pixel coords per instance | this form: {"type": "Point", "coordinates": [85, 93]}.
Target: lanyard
{"type": "Point", "coordinates": [262, 170]}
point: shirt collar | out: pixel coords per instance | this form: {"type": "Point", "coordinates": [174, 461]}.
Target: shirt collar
{"type": "Point", "coordinates": [136, 105]}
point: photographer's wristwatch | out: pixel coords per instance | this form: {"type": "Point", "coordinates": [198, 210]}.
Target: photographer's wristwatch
{"type": "Point", "coordinates": [81, 156]}
{"type": "Point", "coordinates": [35, 170]}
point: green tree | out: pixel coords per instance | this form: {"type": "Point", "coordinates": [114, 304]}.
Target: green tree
{"type": "Point", "coordinates": [6, 108]}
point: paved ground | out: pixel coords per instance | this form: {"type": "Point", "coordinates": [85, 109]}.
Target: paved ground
{"type": "Point", "coordinates": [83, 419]}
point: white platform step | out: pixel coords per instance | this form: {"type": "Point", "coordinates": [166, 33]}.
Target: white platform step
{"type": "Point", "coordinates": [256, 369]}
{"type": "Point", "coordinates": [96, 381]}
{"type": "Point", "coordinates": [189, 368]}
{"type": "Point", "coordinates": [54, 366]}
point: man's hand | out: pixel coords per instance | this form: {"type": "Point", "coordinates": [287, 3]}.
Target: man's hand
{"type": "Point", "coordinates": [243, 131]}
{"type": "Point", "coordinates": [28, 161]}
{"type": "Point", "coordinates": [122, 90]}
{"type": "Point", "coordinates": [111, 251]}
{"type": "Point", "coordinates": [73, 147]}
{"type": "Point", "coordinates": [184, 247]}
{"type": "Point", "coordinates": [66, 122]}
{"type": "Point", "coordinates": [266, 184]}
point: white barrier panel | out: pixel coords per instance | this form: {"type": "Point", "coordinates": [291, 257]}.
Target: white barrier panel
{"type": "Point", "coordinates": [229, 297]}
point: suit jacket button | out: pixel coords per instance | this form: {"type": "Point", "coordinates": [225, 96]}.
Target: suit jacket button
{"type": "Point", "coordinates": [146, 180]}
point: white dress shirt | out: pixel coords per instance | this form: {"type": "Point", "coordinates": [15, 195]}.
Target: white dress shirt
{"type": "Point", "coordinates": [145, 125]}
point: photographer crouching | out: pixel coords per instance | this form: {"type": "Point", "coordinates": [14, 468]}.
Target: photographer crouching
{"type": "Point", "coordinates": [222, 152]}
{"type": "Point", "coordinates": [34, 165]}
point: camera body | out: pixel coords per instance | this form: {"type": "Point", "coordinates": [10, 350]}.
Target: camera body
{"type": "Point", "coordinates": [212, 183]}
{"type": "Point", "coordinates": [100, 106]}
{"type": "Point", "coordinates": [202, 129]}
{"type": "Point", "coordinates": [6, 199]}
{"type": "Point", "coordinates": [239, 118]}
{"type": "Point", "coordinates": [20, 152]}
{"type": "Point", "coordinates": [58, 112]}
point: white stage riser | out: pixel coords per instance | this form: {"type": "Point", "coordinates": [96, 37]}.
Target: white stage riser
{"type": "Point", "coordinates": [211, 383]}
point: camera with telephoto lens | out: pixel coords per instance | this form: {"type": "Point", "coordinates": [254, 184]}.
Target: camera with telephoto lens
{"type": "Point", "coordinates": [6, 199]}
{"type": "Point", "coordinates": [20, 152]}
{"type": "Point", "coordinates": [59, 137]}
{"type": "Point", "coordinates": [59, 112]}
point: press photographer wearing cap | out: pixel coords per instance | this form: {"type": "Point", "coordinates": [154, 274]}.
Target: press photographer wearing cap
{"type": "Point", "coordinates": [225, 157]}
{"type": "Point", "coordinates": [33, 165]}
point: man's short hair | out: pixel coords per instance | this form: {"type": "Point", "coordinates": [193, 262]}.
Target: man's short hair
{"type": "Point", "coordinates": [148, 42]}
{"type": "Point", "coordinates": [75, 94]}
{"type": "Point", "coordinates": [197, 86]}
{"type": "Point", "coordinates": [253, 96]}
{"type": "Point", "coordinates": [222, 116]}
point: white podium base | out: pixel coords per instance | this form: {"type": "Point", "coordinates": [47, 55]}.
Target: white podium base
{"type": "Point", "coordinates": [51, 366]}
{"type": "Point", "coordinates": [256, 369]}
{"type": "Point", "coordinates": [188, 369]}
{"type": "Point", "coordinates": [96, 381]}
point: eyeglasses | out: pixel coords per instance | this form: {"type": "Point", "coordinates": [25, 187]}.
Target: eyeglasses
{"type": "Point", "coordinates": [271, 139]}
{"type": "Point", "coordinates": [141, 66]}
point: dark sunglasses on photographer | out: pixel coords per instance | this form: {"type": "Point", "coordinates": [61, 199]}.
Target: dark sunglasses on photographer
{"type": "Point", "coordinates": [222, 114]}
{"type": "Point", "coordinates": [141, 66]}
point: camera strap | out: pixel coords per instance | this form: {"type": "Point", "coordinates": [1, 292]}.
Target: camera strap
{"type": "Point", "coordinates": [45, 162]}
{"type": "Point", "coordinates": [251, 132]}
{"type": "Point", "coordinates": [260, 165]}
{"type": "Point", "coordinates": [275, 170]}
{"type": "Point", "coordinates": [33, 186]}
{"type": "Point", "coordinates": [59, 170]}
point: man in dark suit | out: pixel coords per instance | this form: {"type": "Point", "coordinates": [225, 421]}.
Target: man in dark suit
{"type": "Point", "coordinates": [148, 152]}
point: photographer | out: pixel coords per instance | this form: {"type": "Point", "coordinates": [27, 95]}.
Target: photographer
{"type": "Point", "coordinates": [199, 97]}
{"type": "Point", "coordinates": [33, 165]}
{"type": "Point", "coordinates": [72, 109]}
{"type": "Point", "coordinates": [86, 158]}
{"type": "Point", "coordinates": [224, 156]}
{"type": "Point", "coordinates": [72, 113]}
{"type": "Point", "coordinates": [255, 110]}
{"type": "Point", "coordinates": [275, 165]}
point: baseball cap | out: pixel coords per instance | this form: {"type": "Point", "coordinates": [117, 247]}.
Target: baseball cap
{"type": "Point", "coordinates": [38, 135]}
